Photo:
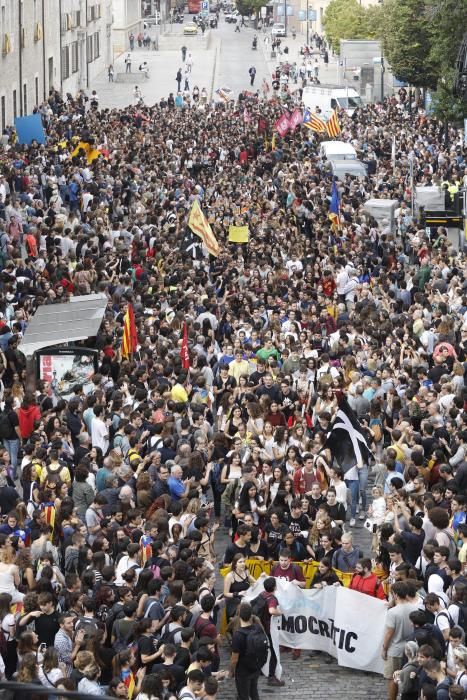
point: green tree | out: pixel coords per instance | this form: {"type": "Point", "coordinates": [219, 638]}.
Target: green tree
{"type": "Point", "coordinates": [448, 22]}
{"type": "Point", "coordinates": [407, 42]}
{"type": "Point", "coordinates": [447, 107]}
{"type": "Point", "coordinates": [249, 7]}
{"type": "Point", "coordinates": [346, 19]}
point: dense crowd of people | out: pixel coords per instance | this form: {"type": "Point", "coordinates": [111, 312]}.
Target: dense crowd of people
{"type": "Point", "coordinates": [111, 499]}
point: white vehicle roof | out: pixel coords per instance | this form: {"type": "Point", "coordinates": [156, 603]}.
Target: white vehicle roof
{"type": "Point", "coordinates": [350, 167]}
{"type": "Point", "coordinates": [339, 148]}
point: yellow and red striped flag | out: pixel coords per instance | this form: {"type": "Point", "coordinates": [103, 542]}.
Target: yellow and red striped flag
{"type": "Point", "coordinates": [200, 226]}
{"type": "Point", "coordinates": [332, 125]}
{"type": "Point", "coordinates": [130, 338]}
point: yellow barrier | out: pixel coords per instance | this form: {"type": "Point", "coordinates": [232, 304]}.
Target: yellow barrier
{"type": "Point", "coordinates": [257, 567]}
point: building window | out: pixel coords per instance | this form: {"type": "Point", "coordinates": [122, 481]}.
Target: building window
{"type": "Point", "coordinates": [15, 105]}
{"type": "Point", "coordinates": [89, 49]}
{"type": "Point", "coordinates": [65, 63]}
{"type": "Point", "coordinates": [74, 57]}
{"type": "Point", "coordinates": [25, 99]}
{"type": "Point", "coordinates": [3, 113]}
{"type": "Point", "coordinates": [38, 33]}
{"type": "Point", "coordinates": [96, 46]}
{"type": "Point", "coordinates": [36, 89]}
{"type": "Point", "coordinates": [7, 47]}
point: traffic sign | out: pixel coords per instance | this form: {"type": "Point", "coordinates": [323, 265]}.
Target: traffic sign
{"type": "Point", "coordinates": [205, 5]}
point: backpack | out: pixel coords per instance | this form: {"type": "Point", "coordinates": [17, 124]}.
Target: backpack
{"type": "Point", "coordinates": [3, 643]}
{"type": "Point", "coordinates": [431, 635]}
{"type": "Point", "coordinates": [88, 624]}
{"type": "Point", "coordinates": [452, 545]}
{"type": "Point", "coordinates": [53, 478]}
{"type": "Point", "coordinates": [102, 613]}
{"type": "Point", "coordinates": [121, 643]}
{"type": "Point", "coordinates": [462, 620]}
{"type": "Point", "coordinates": [156, 571]}
{"type": "Point", "coordinates": [5, 426]}
{"type": "Point", "coordinates": [200, 627]}
{"type": "Point", "coordinates": [168, 636]}
{"type": "Point", "coordinates": [150, 606]}
{"type": "Point", "coordinates": [256, 648]}
{"type": "Point", "coordinates": [259, 605]}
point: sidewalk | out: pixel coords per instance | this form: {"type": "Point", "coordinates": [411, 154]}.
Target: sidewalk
{"type": "Point", "coordinates": [163, 67]}
{"type": "Point", "coordinates": [328, 74]}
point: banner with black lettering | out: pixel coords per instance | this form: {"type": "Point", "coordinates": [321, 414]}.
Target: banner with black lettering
{"type": "Point", "coordinates": [346, 624]}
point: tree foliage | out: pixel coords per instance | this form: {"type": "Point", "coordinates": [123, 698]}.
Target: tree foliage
{"type": "Point", "coordinates": [347, 19]}
{"type": "Point", "coordinates": [420, 39]}
{"type": "Point", "coordinates": [407, 42]}
{"type": "Point", "coordinates": [249, 7]}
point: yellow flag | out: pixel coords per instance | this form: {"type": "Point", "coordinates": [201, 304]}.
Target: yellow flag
{"type": "Point", "coordinates": [82, 145]}
{"type": "Point", "coordinates": [239, 234]}
{"type": "Point", "coordinates": [92, 155]}
{"type": "Point", "coordinates": [200, 226]}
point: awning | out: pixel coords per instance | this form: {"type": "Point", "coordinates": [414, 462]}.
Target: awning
{"type": "Point", "coordinates": [55, 324]}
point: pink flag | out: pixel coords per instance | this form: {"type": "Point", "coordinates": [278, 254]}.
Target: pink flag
{"type": "Point", "coordinates": [296, 118]}
{"type": "Point", "coordinates": [282, 124]}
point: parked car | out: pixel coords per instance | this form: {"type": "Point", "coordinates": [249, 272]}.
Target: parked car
{"type": "Point", "coordinates": [190, 28]}
{"type": "Point", "coordinates": [278, 29]}
{"type": "Point", "coordinates": [232, 17]}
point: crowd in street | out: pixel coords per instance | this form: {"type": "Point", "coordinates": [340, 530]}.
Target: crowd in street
{"type": "Point", "coordinates": [111, 499]}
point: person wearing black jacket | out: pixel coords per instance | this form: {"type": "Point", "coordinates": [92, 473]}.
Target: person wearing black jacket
{"type": "Point", "coordinates": [11, 434]}
{"type": "Point", "coordinates": [325, 576]}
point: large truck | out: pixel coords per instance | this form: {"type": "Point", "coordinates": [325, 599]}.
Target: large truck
{"type": "Point", "coordinates": [330, 97]}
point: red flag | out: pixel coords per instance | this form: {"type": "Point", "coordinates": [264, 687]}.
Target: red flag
{"type": "Point", "coordinates": [282, 125]}
{"type": "Point", "coordinates": [184, 356]}
{"type": "Point", "coordinates": [296, 119]}
{"type": "Point", "coordinates": [130, 338]}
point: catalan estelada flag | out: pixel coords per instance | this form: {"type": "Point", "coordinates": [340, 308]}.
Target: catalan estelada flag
{"type": "Point", "coordinates": [313, 122]}
{"type": "Point", "coordinates": [200, 226]}
{"type": "Point", "coordinates": [129, 680]}
{"type": "Point", "coordinates": [332, 125]}
{"type": "Point", "coordinates": [145, 548]}
{"type": "Point", "coordinates": [334, 206]}
{"type": "Point", "coordinates": [49, 510]}
{"type": "Point", "coordinates": [130, 338]}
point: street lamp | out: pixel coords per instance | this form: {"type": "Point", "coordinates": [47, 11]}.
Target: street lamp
{"type": "Point", "coordinates": [382, 77]}
{"type": "Point", "coordinates": [307, 24]}
{"type": "Point", "coordinates": [285, 17]}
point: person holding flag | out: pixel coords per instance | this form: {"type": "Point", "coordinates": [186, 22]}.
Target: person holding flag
{"type": "Point", "coordinates": [313, 122]}
{"type": "Point", "coordinates": [198, 223]}
{"type": "Point", "coordinates": [332, 125]}
{"type": "Point", "coordinates": [130, 337]}
{"type": "Point", "coordinates": [334, 206]}
{"type": "Point", "coordinates": [348, 443]}
{"type": "Point", "coordinates": [184, 354]}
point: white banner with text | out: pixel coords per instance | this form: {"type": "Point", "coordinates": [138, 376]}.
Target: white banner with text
{"type": "Point", "coordinates": [343, 623]}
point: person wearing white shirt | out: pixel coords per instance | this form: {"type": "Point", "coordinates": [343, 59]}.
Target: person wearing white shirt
{"type": "Point", "coordinates": [99, 430]}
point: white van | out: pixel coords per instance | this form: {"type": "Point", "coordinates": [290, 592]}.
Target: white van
{"type": "Point", "coordinates": [337, 150]}
{"type": "Point", "coordinates": [329, 97]}
{"type": "Point", "coordinates": [341, 168]}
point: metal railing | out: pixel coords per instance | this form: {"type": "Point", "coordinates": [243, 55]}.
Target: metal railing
{"type": "Point", "coordinates": [10, 690]}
